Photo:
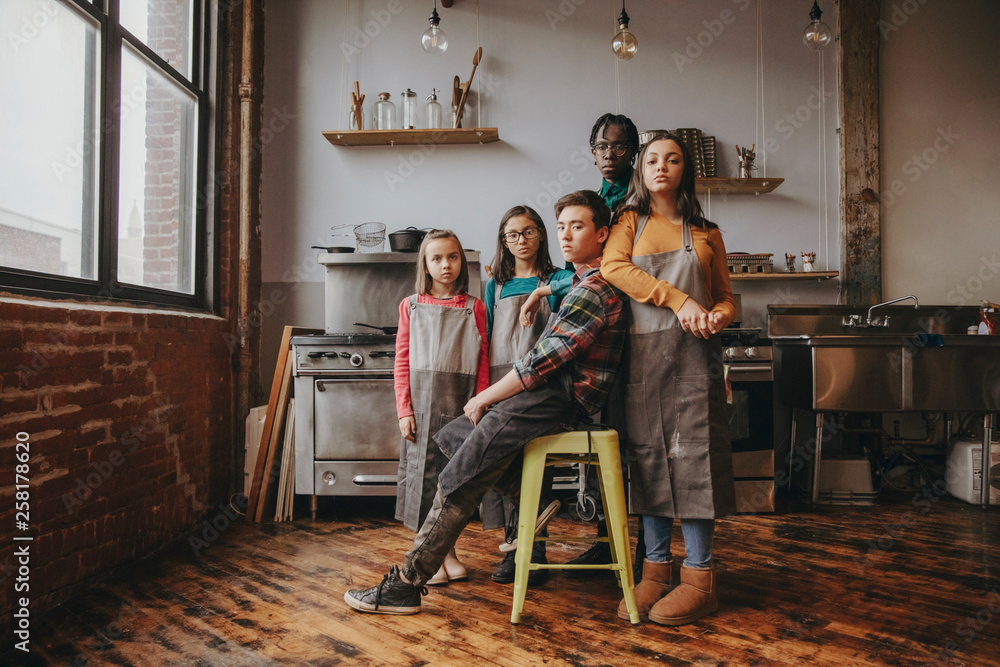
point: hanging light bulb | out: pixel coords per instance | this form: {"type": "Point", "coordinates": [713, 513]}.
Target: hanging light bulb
{"type": "Point", "coordinates": [624, 44]}
{"type": "Point", "coordinates": [434, 40]}
{"type": "Point", "coordinates": [817, 34]}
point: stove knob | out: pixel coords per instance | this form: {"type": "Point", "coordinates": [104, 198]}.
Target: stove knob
{"type": "Point", "coordinates": [329, 478]}
{"type": "Point", "coordinates": [357, 360]}
{"type": "Point", "coordinates": [750, 352]}
{"type": "Point", "coordinates": [731, 352]}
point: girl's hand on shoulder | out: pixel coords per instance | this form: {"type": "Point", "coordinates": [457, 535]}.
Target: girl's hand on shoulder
{"type": "Point", "coordinates": [408, 428]}
{"type": "Point", "coordinates": [696, 320]}
{"type": "Point", "coordinates": [529, 309]}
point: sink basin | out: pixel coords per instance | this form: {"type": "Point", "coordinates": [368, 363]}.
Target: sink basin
{"type": "Point", "coordinates": [922, 360]}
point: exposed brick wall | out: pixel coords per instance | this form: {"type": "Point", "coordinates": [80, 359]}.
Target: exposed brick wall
{"type": "Point", "coordinates": [129, 419]}
{"type": "Point", "coordinates": [129, 411]}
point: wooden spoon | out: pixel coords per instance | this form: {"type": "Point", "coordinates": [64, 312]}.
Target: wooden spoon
{"type": "Point", "coordinates": [465, 93]}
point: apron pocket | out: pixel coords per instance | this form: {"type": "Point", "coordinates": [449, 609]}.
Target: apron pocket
{"type": "Point", "coordinates": [692, 407]}
{"type": "Point", "coordinates": [650, 480]}
{"type": "Point", "coordinates": [637, 398]}
{"type": "Point", "coordinates": [444, 420]}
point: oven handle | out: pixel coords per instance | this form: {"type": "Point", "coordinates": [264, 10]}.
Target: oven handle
{"type": "Point", "coordinates": [362, 480]}
{"type": "Point", "coordinates": [352, 378]}
{"type": "Point", "coordinates": [756, 373]}
{"type": "Point", "coordinates": [750, 368]}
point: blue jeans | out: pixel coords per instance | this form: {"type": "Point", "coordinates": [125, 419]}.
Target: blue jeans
{"type": "Point", "coordinates": [698, 534]}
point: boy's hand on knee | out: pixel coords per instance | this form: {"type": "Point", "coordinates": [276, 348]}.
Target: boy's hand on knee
{"type": "Point", "coordinates": [408, 428]}
{"type": "Point", "coordinates": [475, 409]}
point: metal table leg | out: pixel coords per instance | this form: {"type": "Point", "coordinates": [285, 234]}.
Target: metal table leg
{"type": "Point", "coordinates": [791, 455]}
{"type": "Point", "coordinates": [817, 454]}
{"type": "Point", "coordinates": [985, 468]}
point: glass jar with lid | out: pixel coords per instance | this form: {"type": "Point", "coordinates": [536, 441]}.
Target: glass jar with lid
{"type": "Point", "coordinates": [384, 113]}
{"type": "Point", "coordinates": [409, 109]}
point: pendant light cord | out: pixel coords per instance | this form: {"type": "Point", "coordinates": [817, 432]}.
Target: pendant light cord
{"type": "Point", "coordinates": [618, 81]}
{"type": "Point", "coordinates": [759, 124]}
{"type": "Point", "coordinates": [479, 83]}
{"type": "Point", "coordinates": [823, 221]}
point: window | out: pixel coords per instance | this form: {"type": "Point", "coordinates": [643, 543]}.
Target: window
{"type": "Point", "coordinates": [105, 134]}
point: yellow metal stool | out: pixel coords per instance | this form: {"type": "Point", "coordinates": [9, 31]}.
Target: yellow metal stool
{"type": "Point", "coordinates": [602, 448]}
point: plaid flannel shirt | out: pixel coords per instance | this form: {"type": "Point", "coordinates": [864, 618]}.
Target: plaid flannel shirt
{"type": "Point", "coordinates": [584, 340]}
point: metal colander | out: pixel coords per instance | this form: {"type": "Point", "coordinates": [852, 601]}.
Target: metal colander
{"type": "Point", "coordinates": [368, 236]}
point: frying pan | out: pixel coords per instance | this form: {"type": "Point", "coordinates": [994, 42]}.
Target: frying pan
{"type": "Point", "coordinates": [334, 248]}
{"type": "Point", "coordinates": [390, 331]}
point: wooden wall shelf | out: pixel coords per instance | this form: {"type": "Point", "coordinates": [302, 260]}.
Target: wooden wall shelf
{"type": "Point", "coordinates": [798, 275]}
{"type": "Point", "coordinates": [736, 186]}
{"type": "Point", "coordinates": [473, 135]}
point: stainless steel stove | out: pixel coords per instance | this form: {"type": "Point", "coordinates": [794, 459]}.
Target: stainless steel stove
{"type": "Point", "coordinates": [346, 431]}
{"type": "Point", "coordinates": [748, 353]}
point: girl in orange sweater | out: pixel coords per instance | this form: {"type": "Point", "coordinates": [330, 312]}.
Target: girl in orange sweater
{"type": "Point", "coordinates": [671, 262]}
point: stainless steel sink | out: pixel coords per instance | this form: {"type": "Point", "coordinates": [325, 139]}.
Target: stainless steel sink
{"type": "Point", "coordinates": [914, 359]}
{"type": "Point", "coordinates": [883, 359]}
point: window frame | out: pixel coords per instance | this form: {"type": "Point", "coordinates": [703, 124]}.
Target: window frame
{"type": "Point", "coordinates": [106, 287]}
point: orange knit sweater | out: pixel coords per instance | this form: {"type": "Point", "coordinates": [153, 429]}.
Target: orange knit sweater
{"type": "Point", "coordinates": [661, 235]}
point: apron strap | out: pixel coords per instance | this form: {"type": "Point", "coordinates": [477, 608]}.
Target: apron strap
{"type": "Point", "coordinates": [639, 226]}
{"type": "Point", "coordinates": [686, 234]}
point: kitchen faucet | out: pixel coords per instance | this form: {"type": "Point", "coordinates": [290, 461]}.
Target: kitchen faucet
{"type": "Point", "coordinates": [853, 321]}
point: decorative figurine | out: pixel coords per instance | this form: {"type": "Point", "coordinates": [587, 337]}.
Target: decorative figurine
{"type": "Point", "coordinates": [808, 261]}
{"type": "Point", "coordinates": [790, 262]}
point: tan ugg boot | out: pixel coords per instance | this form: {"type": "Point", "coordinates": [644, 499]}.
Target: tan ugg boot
{"type": "Point", "coordinates": [657, 580]}
{"type": "Point", "coordinates": [694, 598]}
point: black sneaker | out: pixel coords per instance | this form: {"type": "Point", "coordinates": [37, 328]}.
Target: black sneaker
{"type": "Point", "coordinates": [599, 553]}
{"type": "Point", "coordinates": [504, 574]}
{"type": "Point", "coordinates": [391, 596]}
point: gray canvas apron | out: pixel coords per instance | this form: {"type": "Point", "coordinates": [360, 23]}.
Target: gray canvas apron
{"type": "Point", "coordinates": [444, 366]}
{"type": "Point", "coordinates": [509, 343]}
{"type": "Point", "coordinates": [675, 403]}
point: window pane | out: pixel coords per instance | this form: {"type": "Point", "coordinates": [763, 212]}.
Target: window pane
{"type": "Point", "coordinates": [164, 26]}
{"type": "Point", "coordinates": [156, 204]}
{"type": "Point", "coordinates": [48, 139]}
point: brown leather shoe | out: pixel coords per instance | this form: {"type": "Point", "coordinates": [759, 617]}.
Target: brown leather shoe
{"type": "Point", "coordinates": [657, 580]}
{"type": "Point", "coordinates": [694, 598]}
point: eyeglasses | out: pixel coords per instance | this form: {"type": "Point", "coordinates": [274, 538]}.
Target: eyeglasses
{"type": "Point", "coordinates": [528, 233]}
{"type": "Point", "coordinates": [617, 149]}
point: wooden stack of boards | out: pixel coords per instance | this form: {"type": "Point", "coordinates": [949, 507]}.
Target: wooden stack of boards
{"type": "Point", "coordinates": [272, 487]}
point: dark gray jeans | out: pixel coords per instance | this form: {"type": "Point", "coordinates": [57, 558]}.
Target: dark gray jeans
{"type": "Point", "coordinates": [482, 458]}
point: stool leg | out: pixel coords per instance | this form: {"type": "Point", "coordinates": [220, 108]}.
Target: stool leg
{"type": "Point", "coordinates": [532, 472]}
{"type": "Point", "coordinates": [616, 514]}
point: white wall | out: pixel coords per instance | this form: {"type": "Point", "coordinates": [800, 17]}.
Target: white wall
{"type": "Point", "coordinates": [940, 105]}
{"type": "Point", "coordinates": [547, 73]}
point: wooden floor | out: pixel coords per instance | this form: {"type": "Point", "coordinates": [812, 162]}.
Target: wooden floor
{"type": "Point", "coordinates": [903, 583]}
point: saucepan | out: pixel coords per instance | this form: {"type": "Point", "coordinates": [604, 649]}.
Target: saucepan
{"type": "Point", "coordinates": [386, 330]}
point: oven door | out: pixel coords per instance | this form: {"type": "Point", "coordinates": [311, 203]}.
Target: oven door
{"type": "Point", "coordinates": [355, 419]}
{"type": "Point", "coordinates": [751, 415]}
